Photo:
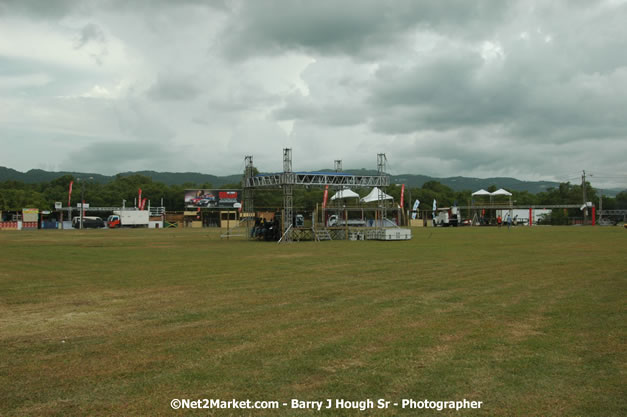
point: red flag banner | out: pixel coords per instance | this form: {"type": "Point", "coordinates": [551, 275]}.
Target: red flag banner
{"type": "Point", "coordinates": [402, 194]}
{"type": "Point", "coordinates": [326, 195]}
{"type": "Point", "coordinates": [69, 196]}
{"type": "Point", "coordinates": [143, 206]}
{"type": "Point", "coordinates": [139, 200]}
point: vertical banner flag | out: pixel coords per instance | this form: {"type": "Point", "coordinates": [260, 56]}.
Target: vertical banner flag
{"type": "Point", "coordinates": [143, 206]}
{"type": "Point", "coordinates": [326, 195]}
{"type": "Point", "coordinates": [69, 196]}
{"type": "Point", "coordinates": [139, 200]}
{"type": "Point", "coordinates": [415, 209]}
{"type": "Point", "coordinates": [402, 195]}
{"type": "Point", "coordinates": [434, 207]}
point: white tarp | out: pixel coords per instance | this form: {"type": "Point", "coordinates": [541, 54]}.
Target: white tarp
{"type": "Point", "coordinates": [345, 193]}
{"type": "Point", "coordinates": [481, 192]}
{"type": "Point", "coordinates": [374, 196]}
{"type": "Point", "coordinates": [501, 192]}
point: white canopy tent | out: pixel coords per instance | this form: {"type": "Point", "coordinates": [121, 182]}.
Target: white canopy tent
{"type": "Point", "coordinates": [481, 192]}
{"type": "Point", "coordinates": [501, 191]}
{"type": "Point", "coordinates": [345, 193]}
{"type": "Point", "coordinates": [374, 196]}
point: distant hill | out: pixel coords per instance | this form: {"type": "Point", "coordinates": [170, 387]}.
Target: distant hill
{"type": "Point", "coordinates": [474, 184]}
{"type": "Point", "coordinates": [34, 176]}
{"type": "Point", "coordinates": [173, 178]}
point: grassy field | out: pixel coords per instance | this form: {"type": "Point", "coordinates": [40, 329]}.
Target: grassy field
{"type": "Point", "coordinates": [532, 322]}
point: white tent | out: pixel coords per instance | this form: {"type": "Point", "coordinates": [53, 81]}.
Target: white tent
{"type": "Point", "coordinates": [501, 191]}
{"type": "Point", "coordinates": [374, 196]}
{"type": "Point", "coordinates": [481, 192]}
{"type": "Point", "coordinates": [345, 193]}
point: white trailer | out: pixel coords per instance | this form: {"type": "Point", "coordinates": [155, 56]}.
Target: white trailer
{"type": "Point", "coordinates": [129, 218]}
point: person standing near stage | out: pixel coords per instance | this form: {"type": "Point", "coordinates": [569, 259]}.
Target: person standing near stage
{"type": "Point", "coordinates": [509, 221]}
{"type": "Point", "coordinates": [499, 220]}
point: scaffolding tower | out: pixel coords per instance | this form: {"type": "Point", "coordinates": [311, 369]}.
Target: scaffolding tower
{"type": "Point", "coordinates": [248, 209]}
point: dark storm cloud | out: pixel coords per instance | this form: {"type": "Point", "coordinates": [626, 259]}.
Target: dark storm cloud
{"type": "Point", "coordinates": [38, 8]}
{"type": "Point", "coordinates": [352, 27]}
{"type": "Point", "coordinates": [461, 90]}
{"type": "Point", "coordinates": [54, 9]}
{"type": "Point", "coordinates": [444, 92]}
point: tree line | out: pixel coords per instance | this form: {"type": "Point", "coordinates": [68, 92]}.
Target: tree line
{"type": "Point", "coordinates": [15, 195]}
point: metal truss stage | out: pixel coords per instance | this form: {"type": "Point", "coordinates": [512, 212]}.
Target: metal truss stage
{"type": "Point", "coordinates": [288, 180]}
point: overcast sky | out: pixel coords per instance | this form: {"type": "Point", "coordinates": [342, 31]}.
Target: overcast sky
{"type": "Point", "coordinates": [529, 89]}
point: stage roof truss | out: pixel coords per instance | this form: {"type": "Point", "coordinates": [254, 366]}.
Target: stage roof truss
{"type": "Point", "coordinates": [316, 179]}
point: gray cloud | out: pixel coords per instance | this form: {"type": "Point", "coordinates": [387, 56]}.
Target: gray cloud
{"type": "Point", "coordinates": [353, 27]}
{"type": "Point", "coordinates": [297, 107]}
{"type": "Point", "coordinates": [90, 33]}
{"type": "Point", "coordinates": [37, 8]}
{"type": "Point", "coordinates": [524, 88]}
{"type": "Point", "coordinates": [169, 87]}
{"type": "Point", "coordinates": [54, 9]}
{"type": "Point", "coordinates": [122, 156]}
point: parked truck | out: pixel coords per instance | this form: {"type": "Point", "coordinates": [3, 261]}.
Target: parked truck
{"type": "Point", "coordinates": [128, 218]}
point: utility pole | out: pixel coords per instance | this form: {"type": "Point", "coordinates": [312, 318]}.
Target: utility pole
{"type": "Point", "coordinates": [82, 202]}
{"type": "Point", "coordinates": [583, 190]}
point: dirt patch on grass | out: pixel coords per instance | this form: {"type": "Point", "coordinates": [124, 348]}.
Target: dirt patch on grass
{"type": "Point", "coordinates": [54, 322]}
{"type": "Point", "coordinates": [521, 331]}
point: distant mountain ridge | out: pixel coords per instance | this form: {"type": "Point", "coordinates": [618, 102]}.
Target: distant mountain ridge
{"type": "Point", "coordinates": [176, 178]}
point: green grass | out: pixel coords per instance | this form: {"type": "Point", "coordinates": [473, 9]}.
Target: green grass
{"type": "Point", "coordinates": [118, 322]}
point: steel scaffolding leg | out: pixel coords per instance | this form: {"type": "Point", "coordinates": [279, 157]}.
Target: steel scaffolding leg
{"type": "Point", "coordinates": [381, 195]}
{"type": "Point", "coordinates": [288, 188]}
{"type": "Point", "coordinates": [248, 208]}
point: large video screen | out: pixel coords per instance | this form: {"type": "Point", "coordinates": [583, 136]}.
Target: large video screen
{"type": "Point", "coordinates": [213, 198]}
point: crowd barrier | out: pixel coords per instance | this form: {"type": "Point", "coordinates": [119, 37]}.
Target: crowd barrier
{"type": "Point", "coordinates": [8, 225]}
